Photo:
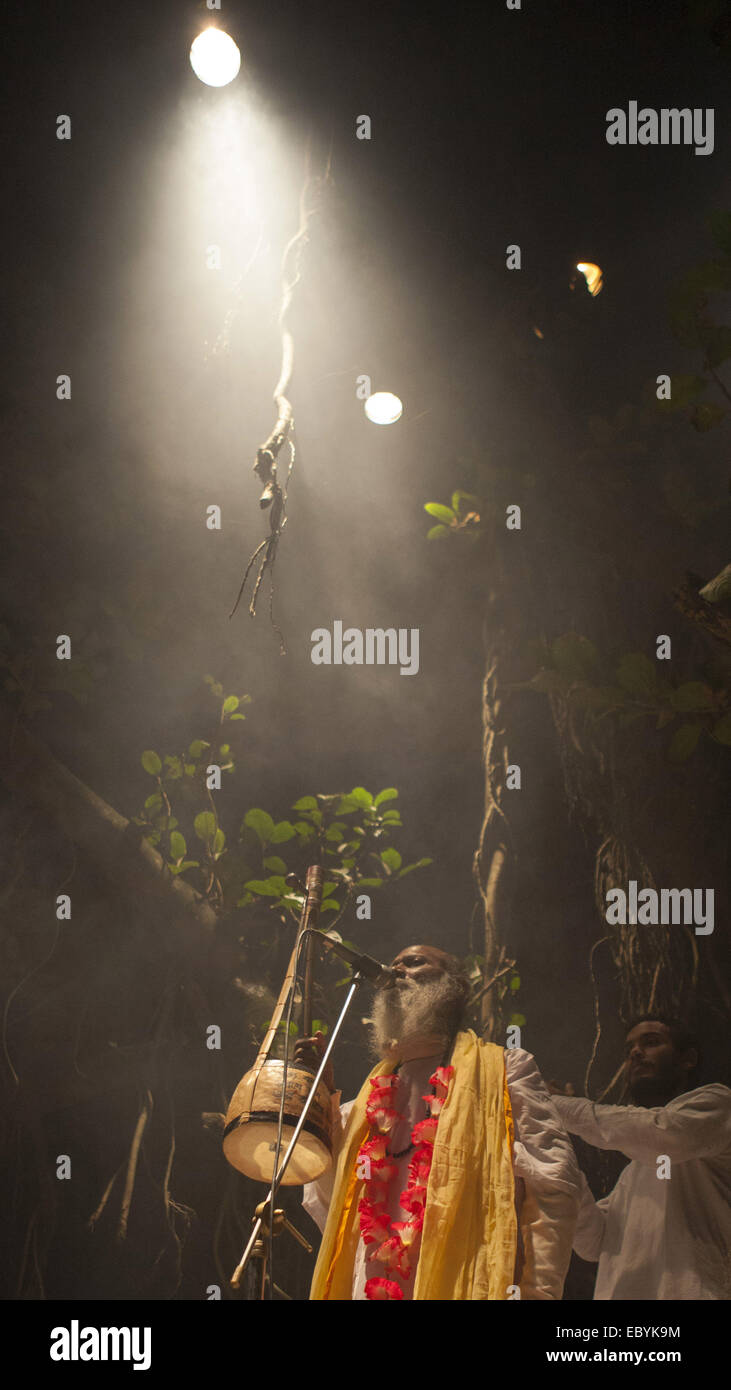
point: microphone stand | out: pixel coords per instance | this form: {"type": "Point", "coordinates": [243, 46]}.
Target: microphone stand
{"type": "Point", "coordinates": [261, 1210]}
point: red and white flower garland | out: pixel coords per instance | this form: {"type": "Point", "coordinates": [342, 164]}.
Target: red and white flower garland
{"type": "Point", "coordinates": [396, 1242]}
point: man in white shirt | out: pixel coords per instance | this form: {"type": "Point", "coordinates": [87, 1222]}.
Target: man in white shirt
{"type": "Point", "coordinates": [416, 1018]}
{"type": "Point", "coordinates": [664, 1232]}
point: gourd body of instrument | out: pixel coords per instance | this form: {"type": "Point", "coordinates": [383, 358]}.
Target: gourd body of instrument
{"type": "Point", "coordinates": [250, 1133]}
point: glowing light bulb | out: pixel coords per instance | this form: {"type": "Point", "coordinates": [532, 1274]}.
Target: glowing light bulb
{"type": "Point", "coordinates": [214, 58]}
{"type": "Point", "coordinates": [593, 276]}
{"type": "Point", "coordinates": [383, 408]}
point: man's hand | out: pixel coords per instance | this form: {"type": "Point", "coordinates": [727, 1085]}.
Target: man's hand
{"type": "Point", "coordinates": [308, 1052]}
{"type": "Point", "coordinates": [560, 1088]}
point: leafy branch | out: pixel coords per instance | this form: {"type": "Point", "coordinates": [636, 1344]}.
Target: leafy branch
{"type": "Point", "coordinates": [631, 690]}
{"type": "Point", "coordinates": [694, 327]}
{"type": "Point", "coordinates": [349, 833]}
{"type": "Point", "coordinates": [463, 517]}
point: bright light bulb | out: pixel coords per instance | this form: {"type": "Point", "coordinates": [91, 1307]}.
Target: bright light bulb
{"type": "Point", "coordinates": [214, 58]}
{"type": "Point", "coordinates": [383, 408]}
{"type": "Point", "coordinates": [593, 276]}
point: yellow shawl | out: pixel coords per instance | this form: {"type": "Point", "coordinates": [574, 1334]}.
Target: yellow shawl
{"type": "Point", "coordinates": [468, 1244]}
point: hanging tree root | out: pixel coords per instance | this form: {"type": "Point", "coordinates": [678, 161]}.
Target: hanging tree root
{"type": "Point", "coordinates": [273, 494]}
{"type": "Point", "coordinates": [132, 1162]}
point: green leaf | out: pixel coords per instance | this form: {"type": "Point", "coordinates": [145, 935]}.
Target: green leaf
{"type": "Point", "coordinates": [391, 818]}
{"type": "Point", "coordinates": [575, 657]}
{"type": "Point", "coordinates": [293, 901]}
{"type": "Point", "coordinates": [420, 864]}
{"type": "Point", "coordinates": [275, 864]}
{"type": "Point", "coordinates": [388, 794]}
{"type": "Point", "coordinates": [335, 832]}
{"type": "Point", "coordinates": [683, 742]}
{"type": "Point", "coordinates": [237, 716]}
{"type": "Point", "coordinates": [391, 858]}
{"type": "Point", "coordinates": [436, 533]}
{"type": "Point", "coordinates": [231, 703]}
{"type": "Point", "coordinates": [694, 695]}
{"type": "Point", "coordinates": [722, 730]}
{"type": "Point", "coordinates": [305, 803]}
{"type": "Point", "coordinates": [346, 806]}
{"type": "Point", "coordinates": [304, 830]}
{"type": "Point", "coordinates": [282, 1027]}
{"type": "Point", "coordinates": [361, 796]}
{"type": "Point", "coordinates": [177, 845]}
{"type": "Point", "coordinates": [282, 832]}
{"type": "Point", "coordinates": [547, 682]}
{"type": "Point", "coordinates": [330, 905]}
{"type": "Point", "coordinates": [637, 674]}
{"type": "Point", "coordinates": [187, 864]}
{"type": "Point", "coordinates": [205, 826]}
{"type": "Point", "coordinates": [261, 823]}
{"type": "Point", "coordinates": [219, 841]}
{"type": "Point", "coordinates": [151, 762]}
{"type": "Point", "coordinates": [273, 887]}
{"type": "Point", "coordinates": [196, 748]}
{"type": "Point", "coordinates": [369, 883]}
{"type": "Point", "coordinates": [518, 1020]}
{"type": "Point", "coordinates": [461, 496]}
{"type": "Point", "coordinates": [441, 512]}
{"type": "Point", "coordinates": [597, 697]}
{"type": "Point", "coordinates": [515, 983]}
{"type": "Point", "coordinates": [153, 801]}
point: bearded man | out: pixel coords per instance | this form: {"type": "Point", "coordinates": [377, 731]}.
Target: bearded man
{"type": "Point", "coordinates": [664, 1232]}
{"type": "Point", "coordinates": [452, 1176]}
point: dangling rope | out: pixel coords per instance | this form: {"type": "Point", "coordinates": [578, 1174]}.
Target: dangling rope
{"type": "Point", "coordinates": [274, 495]}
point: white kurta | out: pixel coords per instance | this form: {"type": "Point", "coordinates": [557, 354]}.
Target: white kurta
{"type": "Point", "coordinates": [659, 1237]}
{"type": "Point", "coordinates": [543, 1158]}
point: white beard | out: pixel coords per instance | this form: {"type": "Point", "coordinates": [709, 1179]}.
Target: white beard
{"type": "Point", "coordinates": [406, 1013]}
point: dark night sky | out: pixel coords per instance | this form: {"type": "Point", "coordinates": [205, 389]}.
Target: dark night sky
{"type": "Point", "coordinates": [488, 128]}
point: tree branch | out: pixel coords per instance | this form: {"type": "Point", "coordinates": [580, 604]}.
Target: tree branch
{"type": "Point", "coordinates": [32, 773]}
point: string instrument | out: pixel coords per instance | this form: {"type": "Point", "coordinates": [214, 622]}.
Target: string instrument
{"type": "Point", "coordinates": [252, 1118]}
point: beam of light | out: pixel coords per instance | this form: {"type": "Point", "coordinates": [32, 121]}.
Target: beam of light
{"type": "Point", "coordinates": [593, 276]}
{"type": "Point", "coordinates": [383, 408]}
{"type": "Point", "coordinates": [214, 58]}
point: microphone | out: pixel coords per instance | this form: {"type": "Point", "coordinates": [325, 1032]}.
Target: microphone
{"type": "Point", "coordinates": [373, 970]}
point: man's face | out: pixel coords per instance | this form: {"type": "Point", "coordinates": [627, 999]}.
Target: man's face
{"type": "Point", "coordinates": [417, 964]}
{"type": "Point", "coordinates": [424, 999]}
{"type": "Point", "coordinates": [653, 1069]}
